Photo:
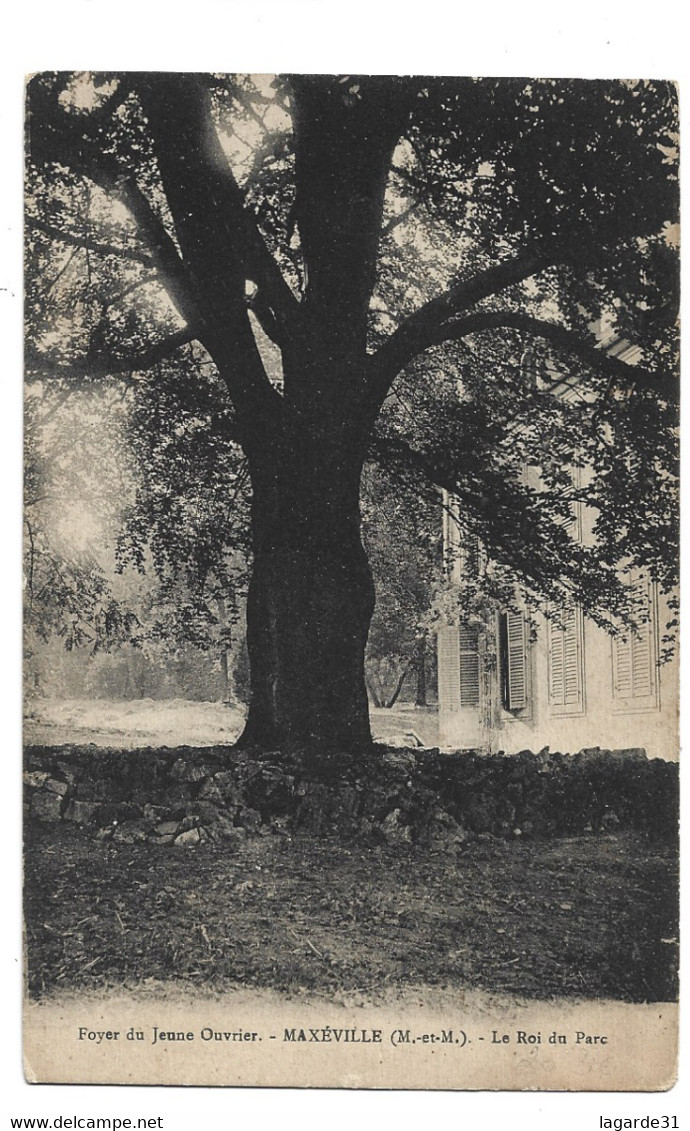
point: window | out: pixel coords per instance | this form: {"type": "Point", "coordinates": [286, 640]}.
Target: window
{"type": "Point", "coordinates": [565, 647]}
{"type": "Point", "coordinates": [514, 669]}
{"type": "Point", "coordinates": [573, 523]}
{"type": "Point", "coordinates": [634, 662]}
{"type": "Point", "coordinates": [469, 666]}
{"type": "Point", "coordinates": [448, 669]}
{"type": "Point", "coordinates": [458, 668]}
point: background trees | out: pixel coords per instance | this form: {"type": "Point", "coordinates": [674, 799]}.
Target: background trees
{"type": "Point", "coordinates": [398, 270]}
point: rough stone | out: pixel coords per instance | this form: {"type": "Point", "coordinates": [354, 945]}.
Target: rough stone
{"type": "Point", "coordinates": [86, 790]}
{"type": "Point", "coordinates": [188, 838]}
{"type": "Point", "coordinates": [247, 770]}
{"type": "Point", "coordinates": [46, 806]}
{"type": "Point", "coordinates": [55, 786]}
{"type": "Point", "coordinates": [132, 832]}
{"type": "Point", "coordinates": [169, 838]}
{"type": "Point", "coordinates": [35, 778]}
{"type": "Point", "coordinates": [166, 828]}
{"type": "Point", "coordinates": [311, 814]}
{"type": "Point", "coordinates": [210, 791]}
{"type": "Point", "coordinates": [68, 771]}
{"type": "Point", "coordinates": [178, 796]}
{"type": "Point", "coordinates": [632, 753]}
{"type": "Point", "coordinates": [394, 830]}
{"type": "Point", "coordinates": [272, 787]}
{"type": "Point", "coordinates": [207, 811]}
{"type": "Point", "coordinates": [400, 759]}
{"type": "Point", "coordinates": [443, 831]}
{"type": "Point", "coordinates": [225, 828]}
{"type": "Point", "coordinates": [348, 800]}
{"type": "Point", "coordinates": [82, 812]}
{"type": "Point", "coordinates": [184, 771]}
{"type": "Point", "coordinates": [249, 819]}
{"type": "Point", "coordinates": [156, 812]}
{"type": "Point", "coordinates": [118, 812]}
{"type": "Point", "coordinates": [228, 786]}
{"type": "Point", "coordinates": [406, 740]}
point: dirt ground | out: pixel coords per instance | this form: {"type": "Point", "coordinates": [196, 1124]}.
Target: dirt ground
{"type": "Point", "coordinates": [178, 722]}
{"type": "Point", "coordinates": [589, 917]}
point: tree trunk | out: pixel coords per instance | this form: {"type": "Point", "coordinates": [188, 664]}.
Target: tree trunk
{"type": "Point", "coordinates": [399, 686]}
{"type": "Point", "coordinates": [310, 600]}
{"type": "Point", "coordinates": [373, 693]}
{"type": "Point", "coordinates": [224, 676]}
{"type": "Point", "coordinates": [420, 700]}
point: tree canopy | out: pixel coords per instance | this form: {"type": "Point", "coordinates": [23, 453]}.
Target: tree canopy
{"type": "Point", "coordinates": [436, 275]}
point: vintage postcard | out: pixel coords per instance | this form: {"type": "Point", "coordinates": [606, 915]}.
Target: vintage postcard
{"type": "Point", "coordinates": [351, 581]}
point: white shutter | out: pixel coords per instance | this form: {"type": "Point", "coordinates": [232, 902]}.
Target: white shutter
{"type": "Point", "coordinates": [635, 673]}
{"type": "Point", "coordinates": [556, 666]}
{"type": "Point", "coordinates": [642, 661]}
{"type": "Point", "coordinates": [571, 660]}
{"type": "Point", "coordinates": [622, 667]}
{"type": "Point", "coordinates": [469, 667]}
{"type": "Point", "coordinates": [517, 661]}
{"type": "Point", "coordinates": [565, 643]}
{"type": "Point", "coordinates": [448, 669]}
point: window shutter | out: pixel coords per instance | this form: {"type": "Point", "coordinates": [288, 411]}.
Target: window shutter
{"type": "Point", "coordinates": [469, 667]}
{"type": "Point", "coordinates": [641, 646]}
{"type": "Point", "coordinates": [565, 660]}
{"type": "Point", "coordinates": [633, 665]}
{"type": "Point", "coordinates": [622, 668]}
{"type": "Point", "coordinates": [571, 660]}
{"type": "Point", "coordinates": [449, 669]}
{"type": "Point", "coordinates": [556, 666]}
{"type": "Point", "coordinates": [517, 661]}
{"type": "Point", "coordinates": [635, 675]}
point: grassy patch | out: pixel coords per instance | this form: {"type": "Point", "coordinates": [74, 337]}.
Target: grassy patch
{"type": "Point", "coordinates": [587, 916]}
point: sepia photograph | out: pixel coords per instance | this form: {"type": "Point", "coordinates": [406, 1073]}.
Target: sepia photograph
{"type": "Point", "coordinates": [351, 581]}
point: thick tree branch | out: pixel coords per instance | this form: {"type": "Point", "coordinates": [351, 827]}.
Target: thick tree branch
{"type": "Point", "coordinates": [437, 322]}
{"type": "Point", "coordinates": [345, 136]}
{"type": "Point", "coordinates": [211, 218]}
{"type": "Point", "coordinates": [74, 239]}
{"type": "Point", "coordinates": [99, 364]}
{"type": "Point", "coordinates": [661, 382]}
{"type": "Point", "coordinates": [199, 295]}
{"type": "Point", "coordinates": [411, 337]}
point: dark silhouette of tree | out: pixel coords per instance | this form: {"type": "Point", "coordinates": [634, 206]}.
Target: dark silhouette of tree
{"type": "Point", "coordinates": [402, 247]}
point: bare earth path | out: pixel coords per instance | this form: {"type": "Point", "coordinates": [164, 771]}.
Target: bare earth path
{"type": "Point", "coordinates": [177, 722]}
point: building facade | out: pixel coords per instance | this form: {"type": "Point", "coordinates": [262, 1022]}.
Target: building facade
{"type": "Point", "coordinates": [559, 681]}
{"type": "Point", "coordinates": [566, 685]}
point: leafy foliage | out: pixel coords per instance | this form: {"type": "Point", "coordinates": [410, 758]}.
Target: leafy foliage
{"type": "Point", "coordinates": [67, 589]}
{"type": "Point", "coordinates": [527, 235]}
{"type": "Point", "coordinates": [402, 534]}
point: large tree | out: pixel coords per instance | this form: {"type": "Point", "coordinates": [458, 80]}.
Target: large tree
{"type": "Point", "coordinates": [368, 264]}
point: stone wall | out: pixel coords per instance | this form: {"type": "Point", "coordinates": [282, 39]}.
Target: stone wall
{"type": "Point", "coordinates": [186, 796]}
